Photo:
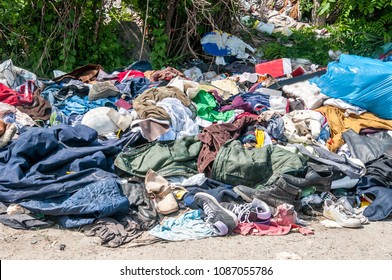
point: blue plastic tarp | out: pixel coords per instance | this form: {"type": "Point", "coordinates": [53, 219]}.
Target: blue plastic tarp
{"type": "Point", "coordinates": [361, 81]}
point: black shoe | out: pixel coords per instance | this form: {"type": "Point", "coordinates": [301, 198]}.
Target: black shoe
{"type": "Point", "coordinates": [246, 193]}
{"type": "Point", "coordinates": [279, 193]}
{"type": "Point", "coordinates": [322, 180]}
{"type": "Point", "coordinates": [140, 204]}
{"type": "Point", "coordinates": [222, 219]}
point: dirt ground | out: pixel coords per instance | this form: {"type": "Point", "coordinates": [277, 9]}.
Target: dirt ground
{"type": "Point", "coordinates": [372, 242]}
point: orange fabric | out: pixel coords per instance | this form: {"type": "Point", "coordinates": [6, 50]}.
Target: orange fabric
{"type": "Point", "coordinates": [339, 123]}
{"type": "Point", "coordinates": [3, 127]}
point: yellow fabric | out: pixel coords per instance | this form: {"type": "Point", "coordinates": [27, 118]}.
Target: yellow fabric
{"type": "Point", "coordinates": [259, 138]}
{"type": "Point", "coordinates": [339, 123]}
{"type": "Point", "coordinates": [180, 194]}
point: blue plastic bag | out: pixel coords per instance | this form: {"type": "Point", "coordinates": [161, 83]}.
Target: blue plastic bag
{"type": "Point", "coordinates": [361, 81]}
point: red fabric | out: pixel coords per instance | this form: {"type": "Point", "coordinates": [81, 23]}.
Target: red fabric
{"type": "Point", "coordinates": [272, 229]}
{"type": "Point", "coordinates": [245, 114]}
{"type": "Point", "coordinates": [9, 96]}
{"type": "Point", "coordinates": [129, 74]}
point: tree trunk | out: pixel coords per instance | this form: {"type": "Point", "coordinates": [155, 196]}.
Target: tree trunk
{"type": "Point", "coordinates": [171, 7]}
{"type": "Point", "coordinates": [317, 20]}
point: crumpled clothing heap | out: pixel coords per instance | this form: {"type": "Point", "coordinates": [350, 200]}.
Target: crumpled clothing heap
{"type": "Point", "coordinates": [207, 108]}
{"type": "Point", "coordinates": [13, 76]}
{"type": "Point", "coordinates": [48, 162]}
{"type": "Point", "coordinates": [303, 126]}
{"type": "Point", "coordinates": [12, 97]}
{"type": "Point", "coordinates": [181, 124]}
{"type": "Point", "coordinates": [309, 93]}
{"type": "Point", "coordinates": [99, 199]}
{"type": "Point", "coordinates": [166, 74]}
{"type": "Point", "coordinates": [274, 125]}
{"type": "Point", "coordinates": [85, 74]}
{"type": "Point", "coordinates": [114, 233]}
{"type": "Point", "coordinates": [10, 114]}
{"type": "Point", "coordinates": [145, 104]}
{"type": "Point", "coordinates": [214, 136]}
{"type": "Point", "coordinates": [339, 123]}
{"type": "Point", "coordinates": [40, 109]}
{"type": "Point", "coordinates": [220, 44]}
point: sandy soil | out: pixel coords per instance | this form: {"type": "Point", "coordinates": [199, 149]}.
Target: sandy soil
{"type": "Point", "coordinates": [372, 241]}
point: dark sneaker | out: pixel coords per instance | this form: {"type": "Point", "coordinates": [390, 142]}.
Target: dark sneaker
{"type": "Point", "coordinates": [255, 212]}
{"type": "Point", "coordinates": [222, 219]}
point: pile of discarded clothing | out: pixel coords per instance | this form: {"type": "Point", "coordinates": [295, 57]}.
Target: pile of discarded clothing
{"type": "Point", "coordinates": [193, 153]}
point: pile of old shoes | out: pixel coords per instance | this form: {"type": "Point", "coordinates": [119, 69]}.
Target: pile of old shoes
{"type": "Point", "coordinates": [343, 213]}
{"type": "Point", "coordinates": [280, 192]}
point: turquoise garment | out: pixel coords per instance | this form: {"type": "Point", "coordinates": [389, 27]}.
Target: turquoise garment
{"type": "Point", "coordinates": [206, 108]}
{"type": "Point", "coordinates": [186, 227]}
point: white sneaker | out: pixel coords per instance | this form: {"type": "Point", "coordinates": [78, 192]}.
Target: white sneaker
{"type": "Point", "coordinates": [350, 211]}
{"type": "Point", "coordinates": [335, 212]}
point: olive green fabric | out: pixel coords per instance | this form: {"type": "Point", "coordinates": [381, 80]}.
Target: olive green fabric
{"type": "Point", "coordinates": [236, 165]}
{"type": "Point", "coordinates": [172, 158]}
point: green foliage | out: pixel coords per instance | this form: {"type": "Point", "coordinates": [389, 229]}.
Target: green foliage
{"type": "Point", "coordinates": [302, 44]}
{"type": "Point", "coordinates": [46, 35]}
{"type": "Point", "coordinates": [160, 42]}
{"type": "Point", "coordinates": [361, 27]}
{"type": "Point", "coordinates": [362, 19]}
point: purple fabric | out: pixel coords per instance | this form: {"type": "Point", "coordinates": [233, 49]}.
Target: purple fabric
{"type": "Point", "coordinates": [238, 103]}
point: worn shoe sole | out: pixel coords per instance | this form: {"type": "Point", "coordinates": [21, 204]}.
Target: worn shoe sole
{"type": "Point", "coordinates": [343, 224]}
{"type": "Point", "coordinates": [243, 195]}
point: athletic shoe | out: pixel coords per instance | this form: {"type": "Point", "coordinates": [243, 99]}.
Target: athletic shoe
{"type": "Point", "coordinates": [336, 212]}
{"type": "Point", "coordinates": [350, 211]}
{"type": "Point", "coordinates": [222, 219]}
{"type": "Point", "coordinates": [255, 212]}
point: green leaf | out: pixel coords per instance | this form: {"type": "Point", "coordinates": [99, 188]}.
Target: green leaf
{"type": "Point", "coordinates": [324, 8]}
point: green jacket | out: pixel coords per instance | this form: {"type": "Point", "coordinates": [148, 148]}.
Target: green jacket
{"type": "Point", "coordinates": [172, 158]}
{"type": "Point", "coordinates": [236, 165]}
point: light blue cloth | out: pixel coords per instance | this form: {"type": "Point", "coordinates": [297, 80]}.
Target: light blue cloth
{"type": "Point", "coordinates": [74, 105]}
{"type": "Point", "coordinates": [49, 92]}
{"type": "Point", "coordinates": [186, 227]}
{"type": "Point", "coordinates": [81, 105]}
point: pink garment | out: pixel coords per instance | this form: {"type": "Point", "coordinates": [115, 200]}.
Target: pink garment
{"type": "Point", "coordinates": [272, 229]}
{"type": "Point", "coordinates": [285, 215]}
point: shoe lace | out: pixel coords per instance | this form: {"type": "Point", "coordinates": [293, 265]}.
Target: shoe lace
{"type": "Point", "coordinates": [343, 211]}
{"type": "Point", "coordinates": [208, 212]}
{"type": "Point", "coordinates": [242, 211]}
